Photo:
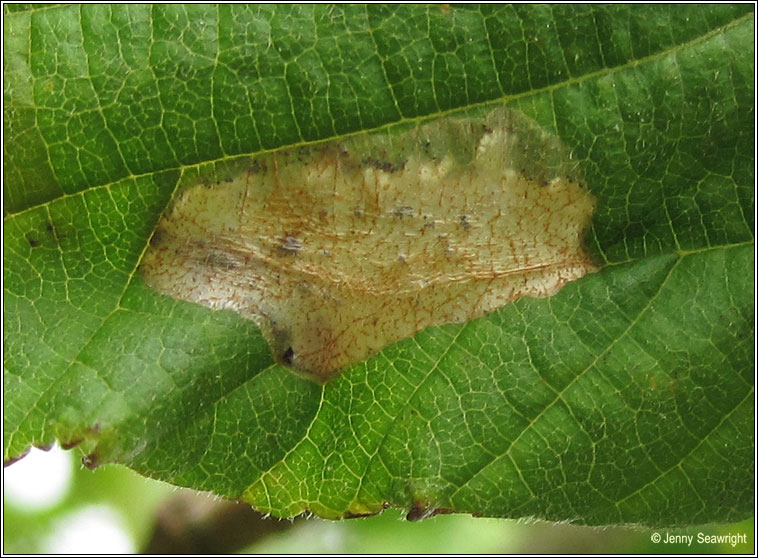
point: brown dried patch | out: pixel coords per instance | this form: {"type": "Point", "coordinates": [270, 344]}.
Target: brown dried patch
{"type": "Point", "coordinates": [12, 460]}
{"type": "Point", "coordinates": [71, 444]}
{"type": "Point", "coordinates": [91, 461]}
{"type": "Point", "coordinates": [419, 512]}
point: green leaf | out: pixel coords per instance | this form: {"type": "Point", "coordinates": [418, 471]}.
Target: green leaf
{"type": "Point", "coordinates": [626, 398]}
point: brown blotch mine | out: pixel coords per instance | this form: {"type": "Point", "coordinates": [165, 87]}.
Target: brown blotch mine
{"type": "Point", "coordinates": [339, 250]}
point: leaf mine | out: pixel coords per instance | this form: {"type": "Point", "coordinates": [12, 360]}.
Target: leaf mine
{"type": "Point", "coordinates": [338, 249]}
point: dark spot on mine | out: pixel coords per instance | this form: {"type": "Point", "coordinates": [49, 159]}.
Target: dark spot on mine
{"type": "Point", "coordinates": [358, 213]}
{"type": "Point", "coordinates": [219, 260]}
{"type": "Point", "coordinates": [288, 356]}
{"type": "Point", "coordinates": [281, 341]}
{"type": "Point", "coordinates": [91, 461]}
{"type": "Point", "coordinates": [156, 238]}
{"type": "Point", "coordinates": [544, 183]}
{"type": "Point", "coordinates": [33, 242]}
{"type": "Point", "coordinates": [405, 211]}
{"type": "Point", "coordinates": [257, 167]}
{"type": "Point", "coordinates": [486, 129]}
{"type": "Point", "coordinates": [289, 246]}
{"type": "Point", "coordinates": [465, 221]}
{"type": "Point", "coordinates": [379, 164]}
{"type": "Point", "coordinates": [426, 147]}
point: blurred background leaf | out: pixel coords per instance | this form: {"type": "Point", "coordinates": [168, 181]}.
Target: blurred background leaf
{"type": "Point", "coordinates": [132, 503]}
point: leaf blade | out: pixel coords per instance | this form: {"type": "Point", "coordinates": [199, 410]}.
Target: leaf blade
{"type": "Point", "coordinates": [658, 112]}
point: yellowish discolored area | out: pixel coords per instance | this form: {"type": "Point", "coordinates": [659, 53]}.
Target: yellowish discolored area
{"type": "Point", "coordinates": [339, 249]}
